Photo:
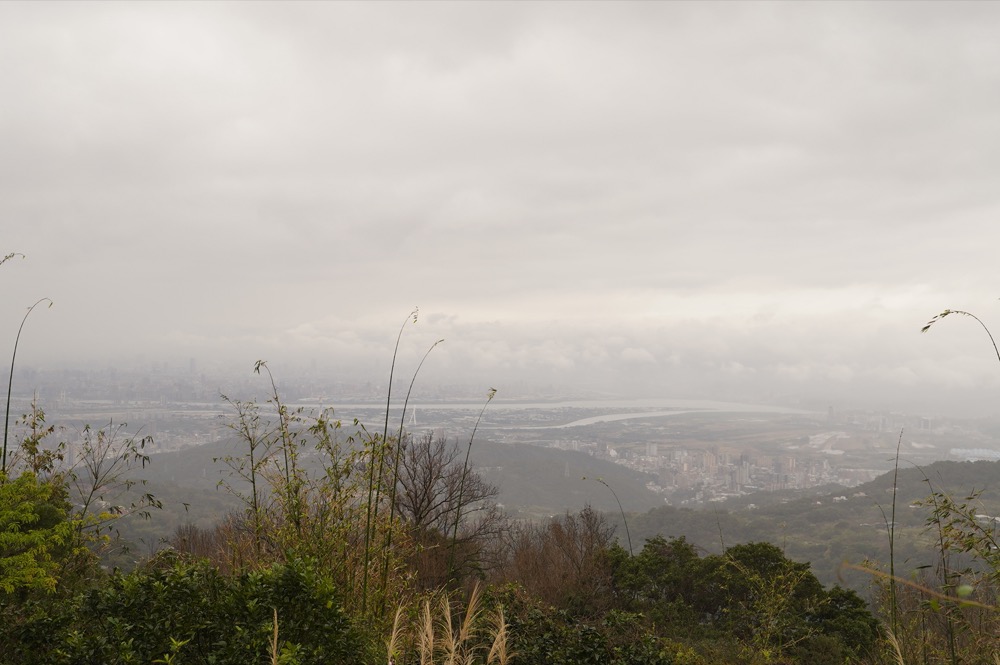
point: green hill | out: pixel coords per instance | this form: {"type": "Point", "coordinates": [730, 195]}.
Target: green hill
{"type": "Point", "coordinates": [837, 526]}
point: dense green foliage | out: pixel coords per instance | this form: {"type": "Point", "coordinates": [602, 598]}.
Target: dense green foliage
{"type": "Point", "coordinates": [34, 530]}
{"type": "Point", "coordinates": [190, 611]}
{"type": "Point", "coordinates": [669, 605]}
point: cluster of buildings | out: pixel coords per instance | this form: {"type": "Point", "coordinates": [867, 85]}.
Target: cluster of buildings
{"type": "Point", "coordinates": [695, 475]}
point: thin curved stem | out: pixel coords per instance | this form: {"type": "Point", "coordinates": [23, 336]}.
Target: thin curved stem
{"type": "Point", "coordinates": [892, 536]}
{"type": "Point", "coordinates": [395, 468]}
{"type": "Point", "coordinates": [288, 452]}
{"type": "Point", "coordinates": [281, 414]}
{"type": "Point", "coordinates": [372, 512]}
{"type": "Point", "coordinates": [995, 349]}
{"type": "Point", "coordinates": [399, 436]}
{"type": "Point", "coordinates": [10, 381]}
{"type": "Point", "coordinates": [622, 510]}
{"type": "Point", "coordinates": [461, 485]}
{"type": "Point", "coordinates": [948, 312]}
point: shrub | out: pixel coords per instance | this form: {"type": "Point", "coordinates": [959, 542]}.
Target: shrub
{"type": "Point", "coordinates": [190, 611]}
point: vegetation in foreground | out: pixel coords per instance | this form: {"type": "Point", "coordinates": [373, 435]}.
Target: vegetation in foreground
{"type": "Point", "coordinates": [385, 548]}
{"type": "Point", "coordinates": [449, 578]}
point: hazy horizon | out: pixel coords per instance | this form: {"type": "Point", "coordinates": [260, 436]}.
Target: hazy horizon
{"type": "Point", "coordinates": [737, 201]}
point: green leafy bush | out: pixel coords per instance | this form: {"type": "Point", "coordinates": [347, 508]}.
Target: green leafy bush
{"type": "Point", "coordinates": [33, 531]}
{"type": "Point", "coordinates": [543, 635]}
{"type": "Point", "coordinates": [192, 613]}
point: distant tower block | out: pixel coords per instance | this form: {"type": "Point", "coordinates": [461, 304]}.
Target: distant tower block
{"type": "Point", "coordinates": [413, 417]}
{"type": "Point", "coordinates": [566, 470]}
{"type": "Point", "coordinates": [652, 450]}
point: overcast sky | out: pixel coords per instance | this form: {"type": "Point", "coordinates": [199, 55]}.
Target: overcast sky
{"type": "Point", "coordinates": [754, 201]}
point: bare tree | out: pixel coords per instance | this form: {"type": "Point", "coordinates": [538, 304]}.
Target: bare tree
{"type": "Point", "coordinates": [428, 500]}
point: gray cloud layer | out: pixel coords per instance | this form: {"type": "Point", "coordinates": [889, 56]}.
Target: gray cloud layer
{"type": "Point", "coordinates": [749, 199]}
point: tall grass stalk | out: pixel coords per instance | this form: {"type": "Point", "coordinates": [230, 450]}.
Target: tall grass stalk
{"type": "Point", "coordinates": [949, 312]}
{"type": "Point", "coordinates": [621, 510]}
{"type": "Point", "coordinates": [392, 645]}
{"type": "Point", "coordinates": [448, 642]}
{"type": "Point", "coordinates": [395, 468]}
{"type": "Point", "coordinates": [946, 572]}
{"type": "Point", "coordinates": [10, 381]}
{"type": "Point", "coordinates": [500, 633]}
{"type": "Point", "coordinates": [292, 489]}
{"type": "Point", "coordinates": [479, 636]}
{"type": "Point", "coordinates": [897, 650]}
{"type": "Point", "coordinates": [891, 528]}
{"type": "Point", "coordinates": [426, 639]}
{"type": "Point", "coordinates": [371, 512]}
{"type": "Point", "coordinates": [461, 485]}
{"type": "Point", "coordinates": [471, 616]}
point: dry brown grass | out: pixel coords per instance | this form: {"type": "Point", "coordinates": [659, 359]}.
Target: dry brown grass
{"type": "Point", "coordinates": [392, 644]}
{"type": "Point", "coordinates": [434, 637]}
{"type": "Point", "coordinates": [500, 632]}
{"type": "Point", "coordinates": [897, 650]}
